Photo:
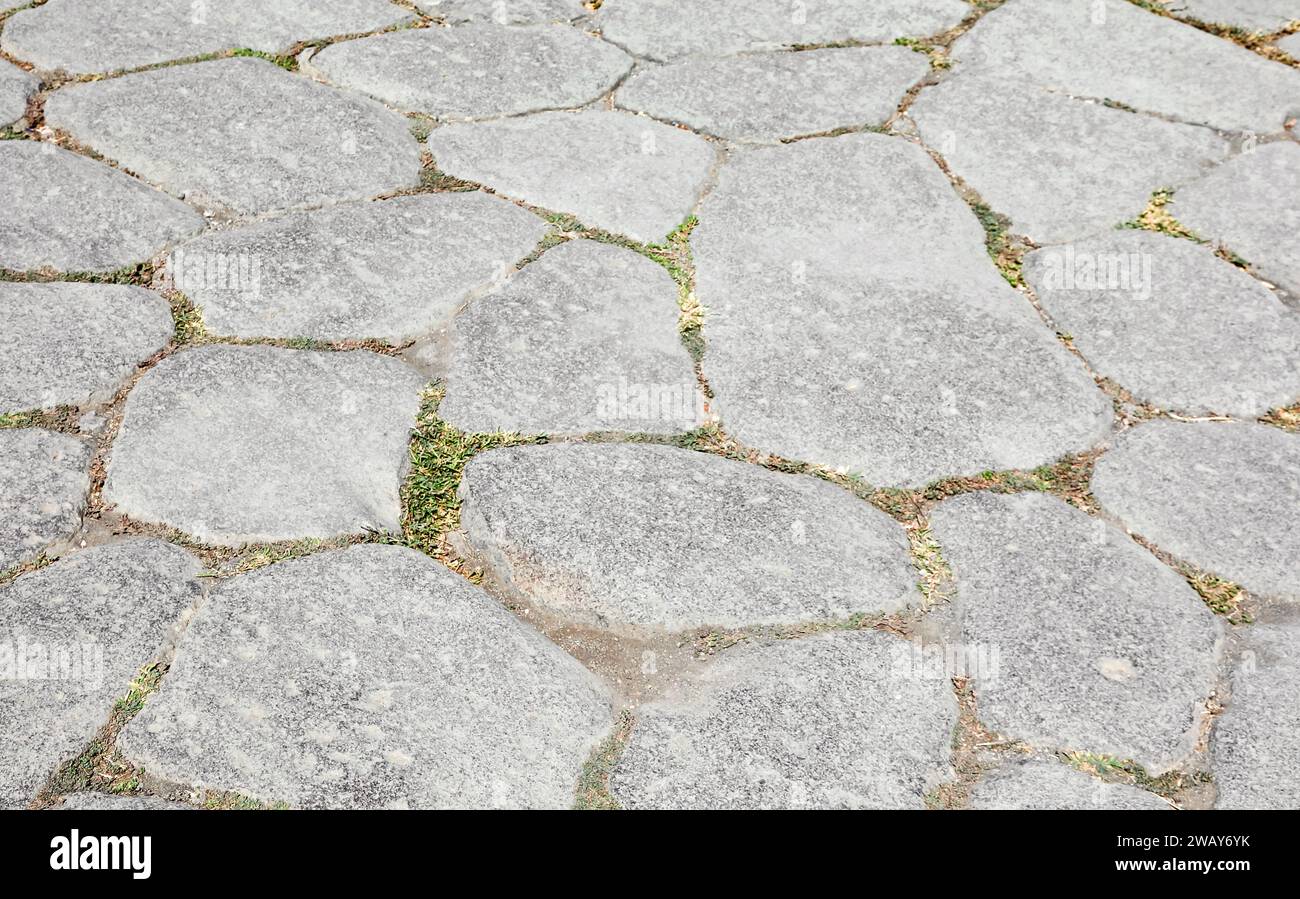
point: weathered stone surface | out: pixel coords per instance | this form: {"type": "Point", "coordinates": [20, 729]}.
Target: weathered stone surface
{"type": "Point", "coordinates": [1256, 743]}
{"type": "Point", "coordinates": [1113, 50]}
{"type": "Point", "coordinates": [43, 484]}
{"type": "Point", "coordinates": [664, 29]}
{"type": "Point", "coordinates": [1098, 646]}
{"type": "Point", "coordinates": [477, 71]}
{"type": "Point", "coordinates": [242, 134]}
{"type": "Point", "coordinates": [103, 802]}
{"type": "Point", "coordinates": [85, 36]}
{"type": "Point", "coordinates": [1252, 15]}
{"type": "Point", "coordinates": [627, 535]}
{"type": "Point", "coordinates": [67, 344]}
{"type": "Point", "coordinates": [1171, 322]}
{"type": "Point", "coordinates": [394, 269]}
{"type": "Point", "coordinates": [1061, 168]}
{"type": "Point", "coordinates": [1291, 44]}
{"type": "Point", "coordinates": [505, 12]}
{"type": "Point", "coordinates": [830, 721]}
{"type": "Point", "coordinates": [67, 212]}
{"type": "Point", "coordinates": [583, 339]}
{"type": "Point", "coordinates": [1048, 785]}
{"type": "Point", "coordinates": [370, 677]}
{"type": "Point", "coordinates": [612, 170]}
{"type": "Point", "coordinates": [236, 444]}
{"type": "Point", "coordinates": [855, 320]}
{"type": "Point", "coordinates": [1222, 495]}
{"type": "Point", "coordinates": [84, 627]}
{"type": "Point", "coordinates": [1248, 204]}
{"type": "Point", "coordinates": [768, 96]}
{"type": "Point", "coordinates": [16, 86]}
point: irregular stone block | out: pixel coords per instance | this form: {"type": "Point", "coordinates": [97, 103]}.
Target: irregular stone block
{"type": "Point", "coordinates": [16, 88]}
{"type": "Point", "coordinates": [43, 485]}
{"type": "Point", "coordinates": [1048, 785]}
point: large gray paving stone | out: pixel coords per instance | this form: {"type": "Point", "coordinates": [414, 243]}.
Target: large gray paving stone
{"type": "Point", "coordinates": [1113, 50]}
{"type": "Point", "coordinates": [1253, 15]}
{"type": "Point", "coordinates": [505, 12]}
{"type": "Point", "coordinates": [477, 71]}
{"type": "Point", "coordinates": [85, 36]}
{"type": "Point", "coordinates": [830, 721]}
{"type": "Point", "coordinates": [1249, 205]}
{"type": "Point", "coordinates": [1098, 646]}
{"type": "Point", "coordinates": [1042, 785]}
{"type": "Point", "coordinates": [393, 269]}
{"type": "Point", "coordinates": [104, 802]}
{"type": "Point", "coordinates": [370, 677]}
{"type": "Point", "coordinates": [70, 213]}
{"type": "Point", "coordinates": [1222, 495]}
{"type": "Point", "coordinates": [1291, 44]}
{"type": "Point", "coordinates": [664, 29]}
{"type": "Point", "coordinates": [242, 134]}
{"type": "Point", "coordinates": [615, 171]}
{"type": "Point", "coordinates": [769, 96]}
{"type": "Point", "coordinates": [16, 87]}
{"type": "Point", "coordinates": [237, 444]}
{"type": "Point", "coordinates": [1171, 322]}
{"type": "Point", "coordinates": [1059, 167]}
{"type": "Point", "coordinates": [79, 631]}
{"type": "Point", "coordinates": [43, 485]}
{"type": "Point", "coordinates": [855, 320]}
{"type": "Point", "coordinates": [645, 537]}
{"type": "Point", "coordinates": [1256, 742]}
{"type": "Point", "coordinates": [583, 339]}
{"type": "Point", "coordinates": [68, 344]}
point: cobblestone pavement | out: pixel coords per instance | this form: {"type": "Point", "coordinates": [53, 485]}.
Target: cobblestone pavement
{"type": "Point", "coordinates": [649, 404]}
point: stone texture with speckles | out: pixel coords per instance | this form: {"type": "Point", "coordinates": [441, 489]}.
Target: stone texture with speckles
{"type": "Point", "coordinates": [584, 339]}
{"type": "Point", "coordinates": [1051, 785]}
{"type": "Point", "coordinates": [16, 86]}
{"type": "Point", "coordinates": [43, 485]}
{"type": "Point", "coordinates": [655, 538]}
{"type": "Point", "coordinates": [370, 677]}
{"type": "Point", "coordinates": [505, 12]}
{"type": "Point", "coordinates": [1252, 15]}
{"type": "Point", "coordinates": [242, 135]}
{"type": "Point", "coordinates": [67, 344]}
{"type": "Point", "coordinates": [476, 71]}
{"type": "Point", "coordinates": [1096, 646]}
{"type": "Point", "coordinates": [66, 212]}
{"type": "Point", "coordinates": [103, 802]}
{"type": "Point", "coordinates": [831, 721]}
{"type": "Point", "coordinates": [1224, 496]}
{"type": "Point", "coordinates": [612, 170]}
{"type": "Point", "coordinates": [82, 629]}
{"type": "Point", "coordinates": [236, 444]}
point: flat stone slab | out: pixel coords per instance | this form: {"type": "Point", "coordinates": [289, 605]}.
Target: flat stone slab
{"type": "Point", "coordinates": [829, 721]}
{"type": "Point", "coordinates": [477, 71]}
{"type": "Point", "coordinates": [242, 134]}
{"type": "Point", "coordinates": [1256, 742]}
{"type": "Point", "coordinates": [1113, 50]}
{"type": "Point", "coordinates": [80, 631]}
{"type": "Point", "coordinates": [1253, 15]}
{"type": "Point", "coordinates": [584, 339]}
{"type": "Point", "coordinates": [847, 328]}
{"type": "Point", "coordinates": [768, 96]}
{"type": "Point", "coordinates": [1221, 495]}
{"type": "Point", "coordinates": [16, 87]}
{"type": "Point", "coordinates": [103, 802]}
{"type": "Point", "coordinates": [1171, 322]}
{"type": "Point", "coordinates": [1097, 646]}
{"type": "Point", "coordinates": [247, 444]}
{"type": "Point", "coordinates": [514, 12]}
{"type": "Point", "coordinates": [1041, 786]}
{"type": "Point", "coordinates": [1060, 168]}
{"type": "Point", "coordinates": [394, 269]}
{"type": "Point", "coordinates": [370, 677]}
{"type": "Point", "coordinates": [615, 171]}
{"type": "Point", "coordinates": [1248, 204]}
{"type": "Point", "coordinates": [663, 29]}
{"type": "Point", "coordinates": [87, 36]}
{"type": "Point", "coordinates": [43, 485]}
{"type": "Point", "coordinates": [69, 344]}
{"type": "Point", "coordinates": [66, 212]}
{"type": "Point", "coordinates": [1291, 44]}
{"type": "Point", "coordinates": [624, 535]}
